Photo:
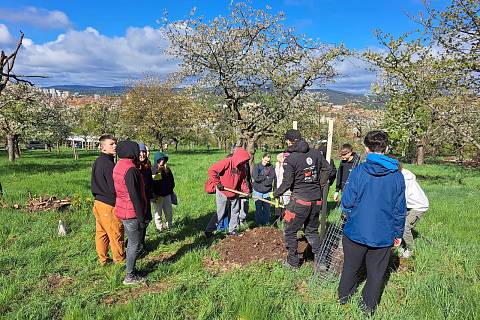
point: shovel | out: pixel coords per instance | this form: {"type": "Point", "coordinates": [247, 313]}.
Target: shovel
{"type": "Point", "coordinates": [273, 203]}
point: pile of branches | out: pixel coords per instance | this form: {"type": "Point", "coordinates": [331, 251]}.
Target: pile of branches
{"type": "Point", "coordinates": [46, 202]}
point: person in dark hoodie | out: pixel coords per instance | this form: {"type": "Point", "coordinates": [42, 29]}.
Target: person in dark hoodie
{"type": "Point", "coordinates": [227, 173]}
{"type": "Point", "coordinates": [305, 173]}
{"type": "Point", "coordinates": [163, 185]}
{"type": "Point", "coordinates": [263, 177]}
{"type": "Point", "coordinates": [375, 207]}
{"type": "Point", "coordinates": [349, 161]}
{"type": "Point", "coordinates": [108, 228]}
{"type": "Point", "coordinates": [131, 204]}
{"type": "Point", "coordinates": [145, 168]}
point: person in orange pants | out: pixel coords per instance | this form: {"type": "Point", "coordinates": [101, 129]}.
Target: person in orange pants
{"type": "Point", "coordinates": [109, 229]}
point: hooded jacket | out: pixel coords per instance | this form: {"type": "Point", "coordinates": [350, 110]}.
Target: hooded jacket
{"type": "Point", "coordinates": [230, 172]}
{"type": "Point", "coordinates": [129, 186]}
{"type": "Point", "coordinates": [374, 202]}
{"type": "Point", "coordinates": [305, 172]}
{"type": "Point", "coordinates": [416, 198]}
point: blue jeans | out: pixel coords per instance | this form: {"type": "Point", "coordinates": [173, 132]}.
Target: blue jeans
{"type": "Point", "coordinates": [262, 209]}
{"type": "Point", "coordinates": [134, 235]}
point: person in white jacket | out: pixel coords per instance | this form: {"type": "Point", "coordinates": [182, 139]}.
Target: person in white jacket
{"type": "Point", "coordinates": [285, 198]}
{"type": "Point", "coordinates": [417, 205]}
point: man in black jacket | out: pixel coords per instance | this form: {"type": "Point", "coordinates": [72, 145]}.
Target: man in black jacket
{"type": "Point", "coordinates": [305, 173]}
{"type": "Point", "coordinates": [349, 161]}
{"type": "Point", "coordinates": [108, 228]}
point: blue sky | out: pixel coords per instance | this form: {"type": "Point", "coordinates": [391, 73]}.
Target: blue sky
{"type": "Point", "coordinates": [111, 42]}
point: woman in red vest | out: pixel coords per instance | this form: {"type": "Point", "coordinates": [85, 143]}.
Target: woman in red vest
{"type": "Point", "coordinates": [130, 206]}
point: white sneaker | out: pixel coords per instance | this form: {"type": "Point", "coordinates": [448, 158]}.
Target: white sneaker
{"type": "Point", "coordinates": [407, 253]}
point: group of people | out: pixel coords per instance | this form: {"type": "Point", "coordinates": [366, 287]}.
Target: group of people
{"type": "Point", "coordinates": [380, 200]}
{"type": "Point", "coordinates": [125, 193]}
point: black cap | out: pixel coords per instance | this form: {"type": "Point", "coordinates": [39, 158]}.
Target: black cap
{"type": "Point", "coordinates": [293, 135]}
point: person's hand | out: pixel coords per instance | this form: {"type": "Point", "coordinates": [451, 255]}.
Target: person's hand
{"type": "Point", "coordinates": [336, 196]}
{"type": "Point", "coordinates": [397, 242]}
{"type": "Point", "coordinates": [220, 186]}
{"type": "Point", "coordinates": [143, 225]}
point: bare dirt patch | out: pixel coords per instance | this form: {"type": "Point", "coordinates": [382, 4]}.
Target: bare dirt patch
{"type": "Point", "coordinates": [56, 282]}
{"type": "Point", "coordinates": [157, 258]}
{"type": "Point", "coordinates": [127, 294]}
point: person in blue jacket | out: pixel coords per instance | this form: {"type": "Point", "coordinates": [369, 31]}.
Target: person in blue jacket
{"type": "Point", "coordinates": [375, 208]}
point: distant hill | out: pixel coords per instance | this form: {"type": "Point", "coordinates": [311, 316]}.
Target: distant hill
{"type": "Point", "coordinates": [91, 90]}
{"type": "Point", "coordinates": [335, 97]}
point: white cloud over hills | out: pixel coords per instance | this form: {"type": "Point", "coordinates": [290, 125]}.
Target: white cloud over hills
{"type": "Point", "coordinates": [87, 57]}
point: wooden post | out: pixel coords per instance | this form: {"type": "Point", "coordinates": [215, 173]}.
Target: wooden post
{"type": "Point", "coordinates": [295, 125]}
{"type": "Point", "coordinates": [328, 157]}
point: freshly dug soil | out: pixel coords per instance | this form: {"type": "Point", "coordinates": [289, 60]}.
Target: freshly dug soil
{"type": "Point", "coordinates": [263, 244]}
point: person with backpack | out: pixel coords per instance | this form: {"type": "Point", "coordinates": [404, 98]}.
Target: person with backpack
{"type": "Point", "coordinates": [374, 204]}
{"type": "Point", "coordinates": [349, 161]}
{"type": "Point", "coordinates": [229, 173]}
{"type": "Point", "coordinates": [163, 185]}
{"type": "Point", "coordinates": [263, 177]}
{"type": "Point", "coordinates": [131, 204]}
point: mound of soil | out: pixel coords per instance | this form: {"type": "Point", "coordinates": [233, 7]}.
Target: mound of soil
{"type": "Point", "coordinates": [256, 245]}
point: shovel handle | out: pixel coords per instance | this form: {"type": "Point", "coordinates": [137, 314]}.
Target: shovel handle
{"type": "Point", "coordinates": [273, 203]}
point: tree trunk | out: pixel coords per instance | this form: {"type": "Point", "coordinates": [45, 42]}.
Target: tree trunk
{"type": "Point", "coordinates": [420, 152]}
{"type": "Point", "coordinates": [10, 148]}
{"type": "Point", "coordinates": [16, 147]}
{"type": "Point", "coordinates": [250, 147]}
{"type": "Point", "coordinates": [74, 148]}
{"type": "Point", "coordinates": [58, 147]}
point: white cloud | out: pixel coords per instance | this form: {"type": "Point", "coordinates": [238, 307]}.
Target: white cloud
{"type": "Point", "coordinates": [90, 58]}
{"type": "Point", "coordinates": [353, 76]}
{"type": "Point", "coordinates": [5, 36]}
{"type": "Point", "coordinates": [38, 17]}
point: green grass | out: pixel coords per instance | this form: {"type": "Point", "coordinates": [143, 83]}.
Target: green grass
{"type": "Point", "coordinates": [444, 283]}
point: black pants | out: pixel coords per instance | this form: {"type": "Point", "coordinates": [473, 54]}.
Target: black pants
{"type": "Point", "coordinates": [376, 262]}
{"type": "Point", "coordinates": [296, 216]}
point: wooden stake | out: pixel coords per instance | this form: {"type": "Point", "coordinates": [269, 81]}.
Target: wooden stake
{"type": "Point", "coordinates": [295, 125]}
{"type": "Point", "coordinates": [328, 157]}
{"type": "Point", "coordinates": [330, 140]}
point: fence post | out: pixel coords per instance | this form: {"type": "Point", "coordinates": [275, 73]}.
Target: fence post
{"type": "Point", "coordinates": [328, 157]}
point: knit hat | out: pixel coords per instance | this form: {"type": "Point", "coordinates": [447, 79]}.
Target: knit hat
{"type": "Point", "coordinates": [160, 155]}
{"type": "Point", "coordinates": [293, 135]}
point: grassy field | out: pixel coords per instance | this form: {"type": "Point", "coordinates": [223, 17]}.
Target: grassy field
{"type": "Point", "coordinates": [43, 276]}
